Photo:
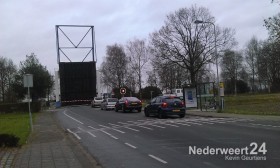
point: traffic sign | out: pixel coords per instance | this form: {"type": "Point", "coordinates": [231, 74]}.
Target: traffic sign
{"type": "Point", "coordinates": [123, 91]}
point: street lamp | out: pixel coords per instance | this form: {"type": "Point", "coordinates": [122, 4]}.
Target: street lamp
{"type": "Point", "coordinates": [216, 55]}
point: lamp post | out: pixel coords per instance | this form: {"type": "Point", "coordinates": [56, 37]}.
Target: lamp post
{"type": "Point", "coordinates": [216, 55]}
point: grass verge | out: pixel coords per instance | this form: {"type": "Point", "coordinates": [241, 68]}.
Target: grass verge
{"type": "Point", "coordinates": [16, 124]}
{"type": "Point", "coordinates": [257, 104]}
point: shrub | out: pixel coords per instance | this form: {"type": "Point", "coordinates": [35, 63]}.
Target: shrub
{"type": "Point", "coordinates": [8, 140]}
{"type": "Point", "coordinates": [20, 107]}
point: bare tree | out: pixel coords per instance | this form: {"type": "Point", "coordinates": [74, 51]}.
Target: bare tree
{"type": "Point", "coordinates": [138, 53]}
{"type": "Point", "coordinates": [186, 44]}
{"type": "Point", "coordinates": [231, 66]}
{"type": "Point", "coordinates": [252, 51]}
{"type": "Point", "coordinates": [114, 68]}
{"type": "Point", "coordinates": [7, 72]}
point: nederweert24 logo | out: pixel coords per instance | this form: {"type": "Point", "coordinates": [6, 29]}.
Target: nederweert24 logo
{"type": "Point", "coordinates": [251, 152]}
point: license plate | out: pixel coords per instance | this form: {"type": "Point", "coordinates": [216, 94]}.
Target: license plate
{"type": "Point", "coordinates": [176, 110]}
{"type": "Point", "coordinates": [133, 103]}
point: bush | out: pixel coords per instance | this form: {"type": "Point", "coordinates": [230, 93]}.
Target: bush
{"type": "Point", "coordinates": [20, 107]}
{"type": "Point", "coordinates": [8, 140]}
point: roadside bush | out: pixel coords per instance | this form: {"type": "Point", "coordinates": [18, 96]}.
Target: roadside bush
{"type": "Point", "coordinates": [8, 140]}
{"type": "Point", "coordinates": [20, 107]}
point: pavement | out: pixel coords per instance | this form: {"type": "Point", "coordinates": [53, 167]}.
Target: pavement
{"type": "Point", "coordinates": [49, 146]}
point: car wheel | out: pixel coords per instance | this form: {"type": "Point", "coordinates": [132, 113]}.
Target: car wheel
{"type": "Point", "coordinates": [147, 114]}
{"type": "Point", "coordinates": [123, 109]}
{"type": "Point", "coordinates": [160, 115]}
{"type": "Point", "coordinates": [182, 115]}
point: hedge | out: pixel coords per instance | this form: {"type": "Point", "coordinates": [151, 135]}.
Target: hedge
{"type": "Point", "coordinates": [20, 107]}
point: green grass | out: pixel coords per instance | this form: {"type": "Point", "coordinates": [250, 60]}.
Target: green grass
{"type": "Point", "coordinates": [16, 124]}
{"type": "Point", "coordinates": [259, 104]}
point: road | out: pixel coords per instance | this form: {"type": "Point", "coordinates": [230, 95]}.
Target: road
{"type": "Point", "coordinates": [131, 140]}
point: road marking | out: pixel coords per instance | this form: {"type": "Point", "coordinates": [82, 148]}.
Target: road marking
{"type": "Point", "coordinates": [158, 159]}
{"type": "Point", "coordinates": [183, 124]}
{"type": "Point", "coordinates": [157, 126]}
{"type": "Point", "coordinates": [193, 123]}
{"type": "Point", "coordinates": [170, 125]}
{"type": "Point", "coordinates": [118, 130]}
{"type": "Point", "coordinates": [104, 126]}
{"type": "Point", "coordinates": [144, 127]}
{"type": "Point", "coordinates": [91, 134]}
{"type": "Point", "coordinates": [275, 126]}
{"type": "Point", "coordinates": [123, 123]}
{"type": "Point", "coordinates": [74, 134]}
{"type": "Point", "coordinates": [109, 134]}
{"type": "Point", "coordinates": [81, 129]}
{"type": "Point", "coordinates": [134, 147]}
{"type": "Point", "coordinates": [132, 129]}
{"type": "Point", "coordinates": [114, 125]}
{"type": "Point", "coordinates": [92, 127]}
{"type": "Point", "coordinates": [72, 118]}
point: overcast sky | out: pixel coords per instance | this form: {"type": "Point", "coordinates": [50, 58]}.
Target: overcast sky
{"type": "Point", "coordinates": [28, 26]}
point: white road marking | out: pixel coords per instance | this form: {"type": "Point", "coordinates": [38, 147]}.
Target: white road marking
{"type": "Point", "coordinates": [118, 130]}
{"type": "Point", "coordinates": [170, 125]}
{"type": "Point", "coordinates": [104, 126]}
{"type": "Point", "coordinates": [194, 123]}
{"type": "Point", "coordinates": [158, 159]}
{"type": "Point", "coordinates": [144, 127]}
{"type": "Point", "coordinates": [109, 134]}
{"type": "Point", "coordinates": [132, 129]}
{"type": "Point", "coordinates": [123, 123]}
{"type": "Point", "coordinates": [74, 134]}
{"type": "Point", "coordinates": [183, 124]}
{"type": "Point", "coordinates": [275, 126]}
{"type": "Point", "coordinates": [114, 124]}
{"type": "Point", "coordinates": [157, 126]}
{"type": "Point", "coordinates": [91, 134]}
{"type": "Point", "coordinates": [81, 129]}
{"type": "Point", "coordinates": [92, 127]}
{"type": "Point", "coordinates": [72, 118]}
{"type": "Point", "coordinates": [134, 147]}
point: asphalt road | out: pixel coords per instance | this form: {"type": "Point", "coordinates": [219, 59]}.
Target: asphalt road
{"type": "Point", "coordinates": [132, 140]}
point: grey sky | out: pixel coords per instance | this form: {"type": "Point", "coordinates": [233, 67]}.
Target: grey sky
{"type": "Point", "coordinates": [28, 26]}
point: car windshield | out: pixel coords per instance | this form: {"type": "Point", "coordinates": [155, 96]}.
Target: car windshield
{"type": "Point", "coordinates": [171, 100]}
{"type": "Point", "coordinates": [112, 100]}
{"type": "Point", "coordinates": [98, 98]}
{"type": "Point", "coordinates": [132, 99]}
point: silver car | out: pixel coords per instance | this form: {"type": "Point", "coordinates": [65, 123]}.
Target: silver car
{"type": "Point", "coordinates": [96, 101]}
{"type": "Point", "coordinates": [108, 103]}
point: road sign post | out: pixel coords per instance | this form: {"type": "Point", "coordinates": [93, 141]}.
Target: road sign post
{"type": "Point", "coordinates": [28, 82]}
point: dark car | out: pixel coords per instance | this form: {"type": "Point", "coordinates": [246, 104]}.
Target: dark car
{"type": "Point", "coordinates": [162, 106]}
{"type": "Point", "coordinates": [128, 103]}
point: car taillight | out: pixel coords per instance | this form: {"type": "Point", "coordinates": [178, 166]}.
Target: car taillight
{"type": "Point", "coordinates": [126, 103]}
{"type": "Point", "coordinates": [140, 102]}
{"type": "Point", "coordinates": [182, 104]}
{"type": "Point", "coordinates": [164, 105]}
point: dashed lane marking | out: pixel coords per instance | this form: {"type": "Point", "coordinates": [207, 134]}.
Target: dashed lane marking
{"type": "Point", "coordinates": [72, 118]}
{"type": "Point", "coordinates": [132, 129]}
{"type": "Point", "coordinates": [112, 136]}
{"type": "Point", "coordinates": [79, 138]}
{"type": "Point", "coordinates": [158, 159]}
{"type": "Point", "coordinates": [134, 147]}
{"type": "Point", "coordinates": [91, 134]}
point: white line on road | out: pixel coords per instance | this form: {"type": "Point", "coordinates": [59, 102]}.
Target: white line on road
{"type": "Point", "coordinates": [92, 127]}
{"type": "Point", "coordinates": [132, 129]}
{"type": "Point", "coordinates": [114, 124]}
{"type": "Point", "coordinates": [144, 127]}
{"type": "Point", "coordinates": [158, 159]}
{"type": "Point", "coordinates": [183, 124]}
{"type": "Point", "coordinates": [109, 134]}
{"type": "Point", "coordinates": [72, 118]}
{"type": "Point", "coordinates": [74, 134]}
{"type": "Point", "coordinates": [134, 147]}
{"type": "Point", "coordinates": [123, 123]}
{"type": "Point", "coordinates": [170, 125]}
{"type": "Point", "coordinates": [91, 134]}
{"type": "Point", "coordinates": [157, 126]}
{"type": "Point", "coordinates": [275, 126]}
{"type": "Point", "coordinates": [104, 126]}
{"type": "Point", "coordinates": [118, 130]}
{"type": "Point", "coordinates": [81, 129]}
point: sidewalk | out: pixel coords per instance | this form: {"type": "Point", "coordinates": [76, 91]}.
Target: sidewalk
{"type": "Point", "coordinates": [213, 113]}
{"type": "Point", "coordinates": [51, 147]}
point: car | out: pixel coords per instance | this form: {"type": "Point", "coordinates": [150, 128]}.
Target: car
{"type": "Point", "coordinates": [96, 101]}
{"type": "Point", "coordinates": [163, 106]}
{"type": "Point", "coordinates": [128, 103]}
{"type": "Point", "coordinates": [108, 103]}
